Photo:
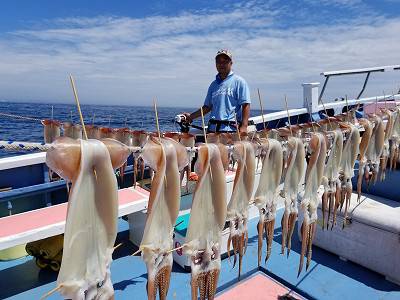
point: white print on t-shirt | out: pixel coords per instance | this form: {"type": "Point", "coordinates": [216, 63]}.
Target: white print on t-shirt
{"type": "Point", "coordinates": [223, 91]}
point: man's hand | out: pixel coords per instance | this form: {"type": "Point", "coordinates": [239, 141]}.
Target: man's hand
{"type": "Point", "coordinates": [197, 114]}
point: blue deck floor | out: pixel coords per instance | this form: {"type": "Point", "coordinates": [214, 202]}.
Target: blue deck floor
{"type": "Point", "coordinates": [328, 276]}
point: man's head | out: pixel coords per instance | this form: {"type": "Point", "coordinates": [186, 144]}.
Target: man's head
{"type": "Point", "coordinates": [223, 62]}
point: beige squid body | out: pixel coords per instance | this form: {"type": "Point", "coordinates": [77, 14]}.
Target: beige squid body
{"type": "Point", "coordinates": [207, 220]}
{"type": "Point", "coordinates": [309, 202]}
{"type": "Point", "coordinates": [51, 130]}
{"type": "Point", "coordinates": [294, 177]}
{"type": "Point", "coordinates": [386, 144]}
{"type": "Point", "coordinates": [265, 197]}
{"type": "Point", "coordinates": [394, 149]}
{"type": "Point", "coordinates": [167, 157]}
{"type": "Point", "coordinates": [238, 207]}
{"type": "Point", "coordinates": [375, 147]}
{"type": "Point", "coordinates": [330, 180]}
{"type": "Point", "coordinates": [362, 160]}
{"type": "Point", "coordinates": [91, 224]}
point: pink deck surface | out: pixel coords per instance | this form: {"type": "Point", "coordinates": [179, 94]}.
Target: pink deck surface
{"type": "Point", "coordinates": [258, 287]}
{"type": "Point", "coordinates": [370, 108]}
{"type": "Point", "coordinates": [48, 216]}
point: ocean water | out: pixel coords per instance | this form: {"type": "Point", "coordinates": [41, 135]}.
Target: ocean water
{"type": "Point", "coordinates": [26, 126]}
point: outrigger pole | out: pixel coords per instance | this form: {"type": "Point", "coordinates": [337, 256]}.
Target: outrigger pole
{"type": "Point", "coordinates": [367, 71]}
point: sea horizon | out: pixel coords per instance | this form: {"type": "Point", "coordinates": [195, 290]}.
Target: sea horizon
{"type": "Point", "coordinates": [21, 121]}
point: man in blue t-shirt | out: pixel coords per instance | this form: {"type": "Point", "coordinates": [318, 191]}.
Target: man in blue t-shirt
{"type": "Point", "coordinates": [227, 96]}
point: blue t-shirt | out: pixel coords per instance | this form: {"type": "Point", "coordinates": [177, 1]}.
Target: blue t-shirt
{"type": "Point", "coordinates": [225, 98]}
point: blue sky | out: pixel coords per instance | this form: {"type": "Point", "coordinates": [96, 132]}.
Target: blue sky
{"type": "Point", "coordinates": [129, 52]}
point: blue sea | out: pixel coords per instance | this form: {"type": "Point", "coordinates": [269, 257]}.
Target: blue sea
{"type": "Point", "coordinates": [26, 126]}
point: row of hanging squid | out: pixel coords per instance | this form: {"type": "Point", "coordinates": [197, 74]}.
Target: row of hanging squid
{"type": "Point", "coordinates": [296, 162]}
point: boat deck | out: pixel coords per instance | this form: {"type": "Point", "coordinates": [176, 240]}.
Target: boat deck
{"type": "Point", "coordinates": [328, 276]}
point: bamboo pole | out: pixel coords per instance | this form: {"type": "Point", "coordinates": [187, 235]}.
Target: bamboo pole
{"type": "Point", "coordinates": [288, 115]}
{"type": "Point", "coordinates": [326, 113]}
{"type": "Point", "coordinates": [347, 110]}
{"type": "Point", "coordinates": [78, 106]}
{"type": "Point", "coordinates": [237, 128]}
{"type": "Point", "coordinates": [116, 247]}
{"type": "Point", "coordinates": [261, 107]}
{"type": "Point", "coordinates": [174, 249]}
{"type": "Point", "coordinates": [49, 293]}
{"type": "Point", "coordinates": [203, 123]}
{"type": "Point", "coordinates": [157, 124]}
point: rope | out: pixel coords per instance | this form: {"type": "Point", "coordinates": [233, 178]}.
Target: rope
{"type": "Point", "coordinates": [31, 146]}
{"type": "Point", "coordinates": [20, 117]}
{"type": "Point", "coordinates": [24, 146]}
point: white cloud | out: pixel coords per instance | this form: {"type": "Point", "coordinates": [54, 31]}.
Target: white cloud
{"type": "Point", "coordinates": [132, 60]}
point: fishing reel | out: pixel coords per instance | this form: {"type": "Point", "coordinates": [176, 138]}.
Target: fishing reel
{"type": "Point", "coordinates": [182, 122]}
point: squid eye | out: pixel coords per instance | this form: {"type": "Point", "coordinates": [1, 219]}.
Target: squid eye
{"type": "Point", "coordinates": [263, 211]}
{"type": "Point", "coordinates": [197, 260]}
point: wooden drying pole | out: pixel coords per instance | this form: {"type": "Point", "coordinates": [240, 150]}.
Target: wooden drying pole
{"type": "Point", "coordinates": [204, 125]}
{"type": "Point", "coordinates": [261, 107]}
{"type": "Point", "coordinates": [157, 124]}
{"type": "Point", "coordinates": [326, 113]}
{"type": "Point", "coordinates": [49, 293]}
{"type": "Point", "coordinates": [347, 111]}
{"type": "Point", "coordinates": [205, 135]}
{"type": "Point", "coordinates": [78, 106]}
{"type": "Point", "coordinates": [310, 114]}
{"type": "Point", "coordinates": [237, 128]}
{"type": "Point", "coordinates": [287, 110]}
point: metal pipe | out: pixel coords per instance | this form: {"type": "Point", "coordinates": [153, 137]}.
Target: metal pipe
{"type": "Point", "coordinates": [365, 84]}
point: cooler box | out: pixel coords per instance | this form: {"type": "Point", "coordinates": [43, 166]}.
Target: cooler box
{"type": "Point", "coordinates": [371, 237]}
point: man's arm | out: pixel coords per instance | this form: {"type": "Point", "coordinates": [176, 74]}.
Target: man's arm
{"type": "Point", "coordinates": [197, 114]}
{"type": "Point", "coordinates": [245, 117]}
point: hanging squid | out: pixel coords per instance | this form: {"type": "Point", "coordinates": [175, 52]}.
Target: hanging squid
{"type": "Point", "coordinates": [349, 156]}
{"type": "Point", "coordinates": [395, 144]}
{"type": "Point", "coordinates": [330, 180]}
{"type": "Point", "coordinates": [387, 140]}
{"type": "Point", "coordinates": [265, 197]}
{"type": "Point", "coordinates": [167, 158]}
{"type": "Point", "coordinates": [91, 224]}
{"type": "Point", "coordinates": [237, 211]}
{"type": "Point", "coordinates": [51, 130]}
{"type": "Point", "coordinates": [293, 178]}
{"type": "Point", "coordinates": [68, 129]}
{"type": "Point", "coordinates": [374, 150]}
{"type": "Point", "coordinates": [92, 132]}
{"type": "Point", "coordinates": [72, 131]}
{"type": "Point", "coordinates": [124, 136]}
{"type": "Point", "coordinates": [139, 138]}
{"type": "Point", "coordinates": [207, 220]}
{"type": "Point", "coordinates": [105, 132]}
{"type": "Point", "coordinates": [309, 202]}
{"type": "Point", "coordinates": [187, 140]}
{"type": "Point", "coordinates": [362, 159]}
